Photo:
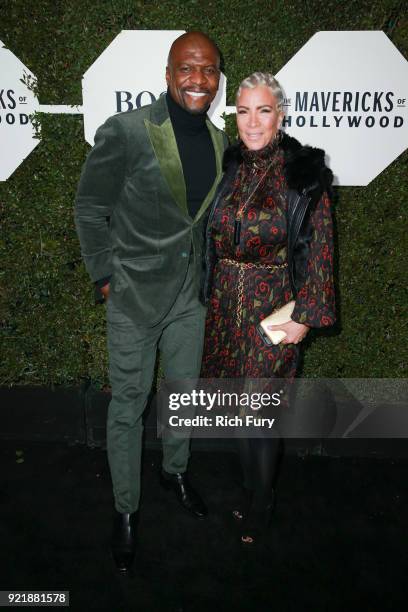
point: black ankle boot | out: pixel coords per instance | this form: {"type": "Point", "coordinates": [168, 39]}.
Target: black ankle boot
{"type": "Point", "coordinates": [256, 522]}
{"type": "Point", "coordinates": [123, 542]}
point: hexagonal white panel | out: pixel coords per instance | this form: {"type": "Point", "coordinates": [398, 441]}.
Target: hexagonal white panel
{"type": "Point", "coordinates": [17, 102]}
{"type": "Point", "coordinates": [131, 73]}
{"type": "Point", "coordinates": [347, 93]}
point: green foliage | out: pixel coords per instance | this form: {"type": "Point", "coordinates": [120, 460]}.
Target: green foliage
{"type": "Point", "coordinates": [50, 331]}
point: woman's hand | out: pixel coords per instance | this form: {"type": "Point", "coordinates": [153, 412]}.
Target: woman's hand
{"type": "Point", "coordinates": [295, 332]}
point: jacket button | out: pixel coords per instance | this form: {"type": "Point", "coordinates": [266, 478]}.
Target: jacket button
{"type": "Point", "coordinates": [184, 254]}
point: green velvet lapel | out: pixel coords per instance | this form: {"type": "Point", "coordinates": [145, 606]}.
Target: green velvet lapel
{"type": "Point", "coordinates": [218, 142]}
{"type": "Point", "coordinates": [164, 144]}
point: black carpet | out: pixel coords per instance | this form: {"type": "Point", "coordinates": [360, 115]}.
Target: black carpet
{"type": "Point", "coordinates": [338, 540]}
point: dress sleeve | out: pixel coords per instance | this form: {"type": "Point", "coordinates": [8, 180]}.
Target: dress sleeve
{"type": "Point", "coordinates": [99, 187]}
{"type": "Point", "coordinates": [315, 302]}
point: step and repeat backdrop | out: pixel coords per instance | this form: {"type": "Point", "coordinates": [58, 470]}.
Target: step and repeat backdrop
{"type": "Point", "coordinates": [66, 67]}
{"type": "Point", "coordinates": [345, 92]}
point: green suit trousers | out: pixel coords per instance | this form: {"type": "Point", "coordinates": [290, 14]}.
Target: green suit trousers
{"type": "Point", "coordinates": [132, 355]}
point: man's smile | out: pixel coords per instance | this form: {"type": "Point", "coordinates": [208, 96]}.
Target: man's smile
{"type": "Point", "coordinates": [196, 94]}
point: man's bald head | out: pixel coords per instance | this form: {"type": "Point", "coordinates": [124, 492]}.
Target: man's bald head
{"type": "Point", "coordinates": [197, 38]}
{"type": "Point", "coordinates": [193, 71]}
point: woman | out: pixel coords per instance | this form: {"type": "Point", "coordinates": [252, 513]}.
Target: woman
{"type": "Point", "coordinates": [269, 241]}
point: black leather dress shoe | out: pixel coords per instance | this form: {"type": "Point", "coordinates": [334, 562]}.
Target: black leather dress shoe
{"type": "Point", "coordinates": [187, 496]}
{"type": "Point", "coordinates": [123, 542]}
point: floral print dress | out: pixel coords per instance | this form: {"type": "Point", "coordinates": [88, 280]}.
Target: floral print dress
{"type": "Point", "coordinates": [242, 295]}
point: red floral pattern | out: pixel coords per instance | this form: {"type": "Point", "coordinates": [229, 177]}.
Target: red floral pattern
{"type": "Point", "coordinates": [232, 351]}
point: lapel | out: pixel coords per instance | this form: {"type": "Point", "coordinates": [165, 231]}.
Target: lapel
{"type": "Point", "coordinates": [164, 145]}
{"type": "Point", "coordinates": [163, 140]}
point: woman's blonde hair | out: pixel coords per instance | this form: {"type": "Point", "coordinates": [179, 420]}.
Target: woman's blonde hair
{"type": "Point", "coordinates": [267, 80]}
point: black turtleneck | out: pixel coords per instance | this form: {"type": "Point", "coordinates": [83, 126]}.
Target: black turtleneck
{"type": "Point", "coordinates": [196, 152]}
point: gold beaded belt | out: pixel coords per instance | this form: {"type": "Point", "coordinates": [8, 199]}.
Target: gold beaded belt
{"type": "Point", "coordinates": [242, 266]}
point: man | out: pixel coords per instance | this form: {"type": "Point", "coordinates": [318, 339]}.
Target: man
{"type": "Point", "coordinates": [140, 214]}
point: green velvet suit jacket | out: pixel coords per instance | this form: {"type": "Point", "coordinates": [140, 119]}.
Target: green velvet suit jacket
{"type": "Point", "coordinates": [131, 212]}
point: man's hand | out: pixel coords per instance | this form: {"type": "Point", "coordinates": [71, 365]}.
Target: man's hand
{"type": "Point", "coordinates": [295, 332]}
{"type": "Point", "coordinates": [105, 291]}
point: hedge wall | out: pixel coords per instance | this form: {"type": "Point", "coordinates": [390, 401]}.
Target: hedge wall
{"type": "Point", "coordinates": [50, 331]}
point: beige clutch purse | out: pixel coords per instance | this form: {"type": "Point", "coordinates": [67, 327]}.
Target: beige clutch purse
{"type": "Point", "coordinates": [282, 315]}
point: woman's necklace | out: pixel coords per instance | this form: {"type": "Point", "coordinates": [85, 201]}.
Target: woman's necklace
{"type": "Point", "coordinates": [242, 208]}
